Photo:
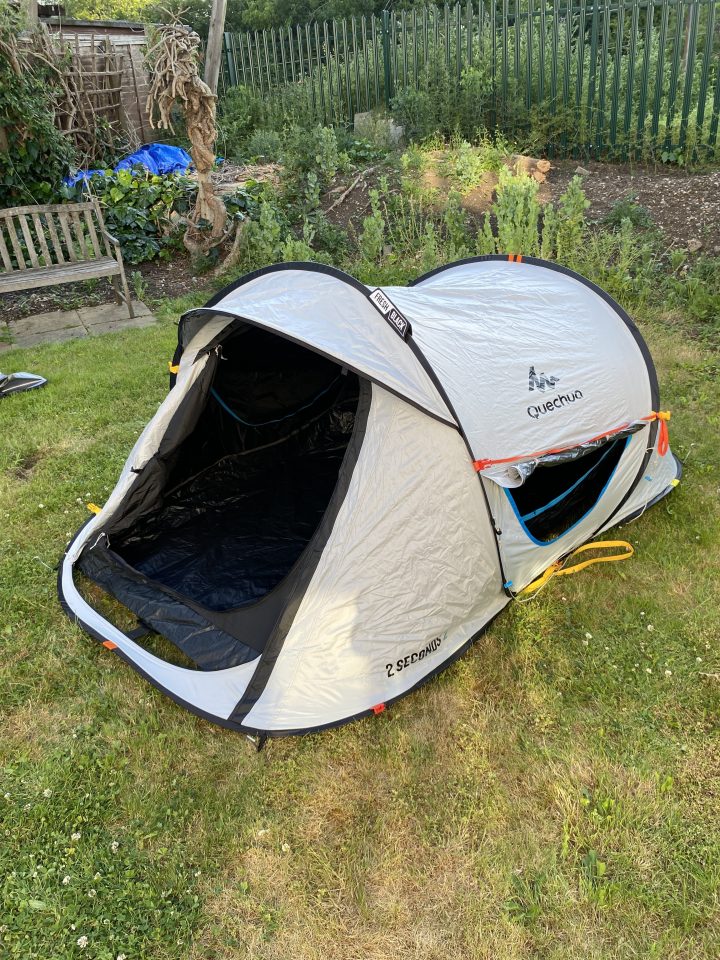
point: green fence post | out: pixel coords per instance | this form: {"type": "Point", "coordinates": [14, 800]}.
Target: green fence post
{"type": "Point", "coordinates": [386, 56]}
{"type": "Point", "coordinates": [707, 59]}
{"type": "Point", "coordinates": [690, 56]}
{"type": "Point", "coordinates": [231, 72]}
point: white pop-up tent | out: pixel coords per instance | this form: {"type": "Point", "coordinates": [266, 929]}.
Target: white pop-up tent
{"type": "Point", "coordinates": [344, 486]}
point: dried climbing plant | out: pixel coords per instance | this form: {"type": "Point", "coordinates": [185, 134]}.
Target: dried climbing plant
{"type": "Point", "coordinates": [173, 59]}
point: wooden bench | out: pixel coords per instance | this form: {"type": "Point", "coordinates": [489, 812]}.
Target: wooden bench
{"type": "Point", "coordinates": [41, 246]}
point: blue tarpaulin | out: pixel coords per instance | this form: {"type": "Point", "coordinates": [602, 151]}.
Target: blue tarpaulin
{"type": "Point", "coordinates": [157, 158]}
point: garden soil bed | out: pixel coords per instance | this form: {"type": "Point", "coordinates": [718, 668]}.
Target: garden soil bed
{"type": "Point", "coordinates": [684, 206]}
{"type": "Point", "coordinates": [160, 279]}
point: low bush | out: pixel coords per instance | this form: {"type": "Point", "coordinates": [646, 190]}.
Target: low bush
{"type": "Point", "coordinates": [142, 210]}
{"type": "Point", "coordinates": [465, 165]}
{"type": "Point", "coordinates": [34, 155]}
{"type": "Point", "coordinates": [312, 159]}
{"type": "Point", "coordinates": [263, 146]}
{"type": "Point", "coordinates": [240, 113]}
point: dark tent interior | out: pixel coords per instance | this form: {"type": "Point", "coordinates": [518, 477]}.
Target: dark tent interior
{"type": "Point", "coordinates": [554, 498]}
{"type": "Point", "coordinates": [250, 485]}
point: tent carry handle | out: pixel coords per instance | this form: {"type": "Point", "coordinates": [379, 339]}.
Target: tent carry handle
{"type": "Point", "coordinates": [558, 569]}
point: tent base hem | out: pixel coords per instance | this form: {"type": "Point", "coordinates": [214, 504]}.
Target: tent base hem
{"type": "Point", "coordinates": [264, 734]}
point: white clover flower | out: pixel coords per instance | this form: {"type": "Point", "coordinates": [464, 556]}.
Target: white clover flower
{"type": "Point", "coordinates": [588, 636]}
{"type": "Point", "coordinates": [66, 880]}
{"type": "Point", "coordinates": [47, 792]}
{"type": "Point", "coordinates": [7, 796]}
{"type": "Point", "coordinates": [92, 894]}
{"type": "Point", "coordinates": [285, 848]}
{"type": "Point", "coordinates": [75, 836]}
{"type": "Point", "coordinates": [114, 846]}
{"type": "Point", "coordinates": [648, 670]}
{"type": "Point", "coordinates": [650, 628]}
{"type": "Point", "coordinates": [261, 833]}
{"type": "Point", "coordinates": [198, 872]}
{"type": "Point", "coordinates": [121, 956]}
{"type": "Point", "coordinates": [698, 659]}
{"type": "Point", "coordinates": [668, 673]}
{"type": "Point", "coordinates": [82, 942]}
{"type": "Point", "coordinates": [642, 613]}
{"type": "Point", "coordinates": [42, 506]}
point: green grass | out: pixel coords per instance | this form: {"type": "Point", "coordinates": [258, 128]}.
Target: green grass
{"type": "Point", "coordinates": [552, 795]}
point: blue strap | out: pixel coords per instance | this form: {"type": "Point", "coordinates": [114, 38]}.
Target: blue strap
{"type": "Point", "coordinates": [265, 423]}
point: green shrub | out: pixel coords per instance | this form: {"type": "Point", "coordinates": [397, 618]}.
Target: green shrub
{"type": "Point", "coordinates": [456, 226]}
{"type": "Point", "coordinates": [264, 145]}
{"type": "Point", "coordinates": [34, 155]}
{"type": "Point", "coordinates": [142, 210]}
{"type": "Point", "coordinates": [443, 106]}
{"type": "Point", "coordinates": [415, 111]}
{"type": "Point", "coordinates": [263, 241]}
{"type": "Point", "coordinates": [571, 222]}
{"type": "Point", "coordinates": [372, 237]}
{"type": "Point", "coordinates": [240, 113]}
{"type": "Point", "coordinates": [628, 208]}
{"type": "Point", "coordinates": [518, 214]}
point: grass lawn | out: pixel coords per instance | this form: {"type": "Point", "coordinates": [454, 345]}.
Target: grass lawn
{"type": "Point", "coordinates": [553, 795]}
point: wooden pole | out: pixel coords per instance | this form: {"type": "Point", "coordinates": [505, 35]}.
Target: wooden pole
{"type": "Point", "coordinates": [31, 12]}
{"type": "Point", "coordinates": [214, 44]}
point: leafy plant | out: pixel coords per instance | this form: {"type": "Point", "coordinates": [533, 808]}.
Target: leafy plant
{"type": "Point", "coordinates": [628, 208]}
{"type": "Point", "coordinates": [571, 222]}
{"type": "Point", "coordinates": [456, 225]}
{"type": "Point", "coordinates": [312, 151]}
{"type": "Point", "coordinates": [518, 213]}
{"type": "Point", "coordinates": [263, 238]}
{"type": "Point", "coordinates": [372, 237]}
{"type": "Point", "coordinates": [141, 209]}
{"type": "Point", "coordinates": [264, 145]}
{"type": "Point", "coordinates": [34, 154]}
{"type": "Point", "coordinates": [138, 284]}
{"type": "Point", "coordinates": [240, 113]}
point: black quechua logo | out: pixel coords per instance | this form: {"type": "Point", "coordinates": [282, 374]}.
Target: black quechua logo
{"type": "Point", "coordinates": [540, 381]}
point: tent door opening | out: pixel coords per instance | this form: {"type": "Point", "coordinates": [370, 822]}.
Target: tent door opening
{"type": "Point", "coordinates": [250, 484]}
{"type": "Point", "coordinates": [555, 498]}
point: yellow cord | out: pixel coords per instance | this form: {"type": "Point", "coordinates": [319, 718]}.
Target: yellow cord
{"type": "Point", "coordinates": [558, 569]}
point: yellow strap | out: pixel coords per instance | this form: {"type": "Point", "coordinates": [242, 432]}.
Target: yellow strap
{"type": "Point", "coordinates": [94, 508]}
{"type": "Point", "coordinates": [558, 569]}
{"type": "Point", "coordinates": [173, 368]}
